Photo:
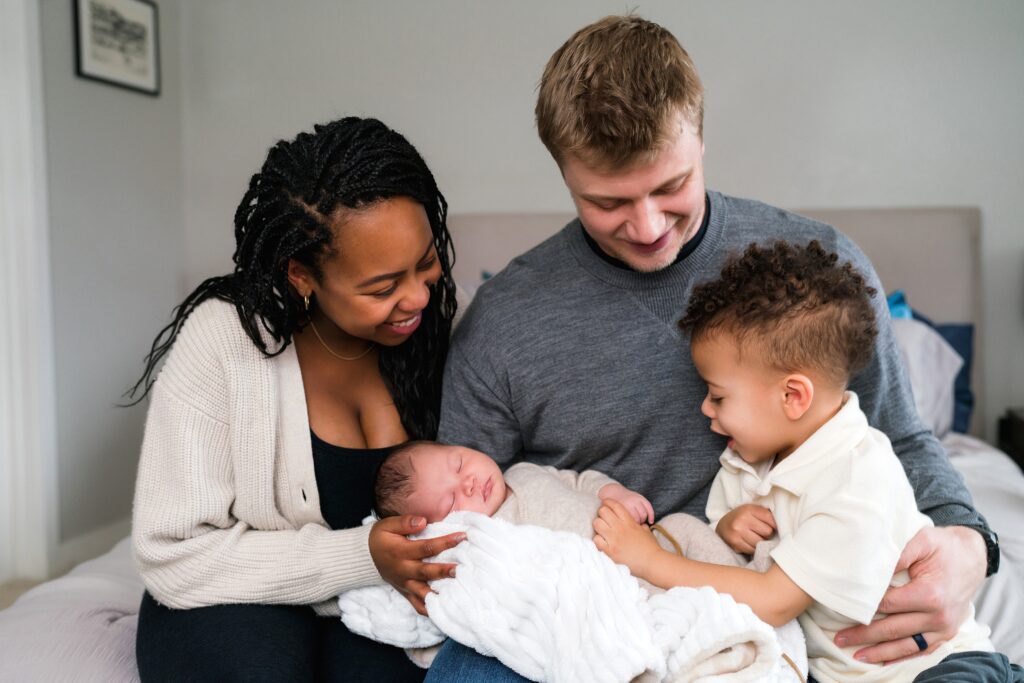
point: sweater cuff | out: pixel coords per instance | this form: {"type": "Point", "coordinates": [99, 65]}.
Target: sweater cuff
{"type": "Point", "coordinates": [346, 562]}
{"type": "Point", "coordinates": [593, 481]}
{"type": "Point", "coordinates": [954, 514]}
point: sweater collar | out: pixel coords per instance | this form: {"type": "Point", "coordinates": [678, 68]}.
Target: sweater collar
{"type": "Point", "coordinates": [671, 275]}
{"type": "Point", "coordinates": [688, 248]}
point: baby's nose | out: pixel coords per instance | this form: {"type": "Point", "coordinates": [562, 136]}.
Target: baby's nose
{"type": "Point", "coordinates": [469, 485]}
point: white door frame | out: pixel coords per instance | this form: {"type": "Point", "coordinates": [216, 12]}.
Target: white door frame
{"type": "Point", "coordinates": [29, 501]}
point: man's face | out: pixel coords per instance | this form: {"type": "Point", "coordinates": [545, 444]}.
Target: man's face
{"type": "Point", "coordinates": [643, 215]}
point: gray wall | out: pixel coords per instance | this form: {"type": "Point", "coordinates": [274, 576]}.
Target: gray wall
{"type": "Point", "coordinates": [115, 189]}
{"type": "Point", "coordinates": [809, 104]}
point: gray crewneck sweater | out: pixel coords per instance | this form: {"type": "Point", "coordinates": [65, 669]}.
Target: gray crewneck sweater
{"type": "Point", "coordinates": [565, 360]}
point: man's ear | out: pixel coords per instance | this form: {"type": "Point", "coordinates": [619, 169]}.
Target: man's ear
{"type": "Point", "coordinates": [300, 278]}
{"type": "Point", "coordinates": [798, 393]}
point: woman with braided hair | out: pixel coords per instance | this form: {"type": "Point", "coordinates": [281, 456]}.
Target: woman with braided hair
{"type": "Point", "coordinates": [283, 385]}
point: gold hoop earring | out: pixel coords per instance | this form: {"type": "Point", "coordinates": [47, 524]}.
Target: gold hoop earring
{"type": "Point", "coordinates": [305, 300]}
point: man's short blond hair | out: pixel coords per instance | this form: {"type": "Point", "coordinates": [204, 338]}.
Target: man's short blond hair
{"type": "Point", "coordinates": [612, 95]}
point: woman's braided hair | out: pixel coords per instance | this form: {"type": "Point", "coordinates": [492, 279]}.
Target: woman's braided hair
{"type": "Point", "coordinates": [797, 303]}
{"type": "Point", "coordinates": [287, 213]}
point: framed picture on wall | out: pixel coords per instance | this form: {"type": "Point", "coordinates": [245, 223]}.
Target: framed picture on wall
{"type": "Point", "coordinates": [117, 42]}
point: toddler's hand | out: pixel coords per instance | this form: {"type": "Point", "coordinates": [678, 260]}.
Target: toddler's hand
{"type": "Point", "coordinates": [639, 507]}
{"type": "Point", "coordinates": [746, 526]}
{"type": "Point", "coordinates": [621, 538]}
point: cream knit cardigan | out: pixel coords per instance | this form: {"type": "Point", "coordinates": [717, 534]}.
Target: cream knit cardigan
{"type": "Point", "coordinates": [226, 505]}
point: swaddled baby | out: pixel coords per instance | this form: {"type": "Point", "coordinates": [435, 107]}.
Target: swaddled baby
{"type": "Point", "coordinates": [432, 480]}
{"type": "Point", "coordinates": [704, 632]}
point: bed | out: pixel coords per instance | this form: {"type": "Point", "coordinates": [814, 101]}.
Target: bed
{"type": "Point", "coordinates": [82, 626]}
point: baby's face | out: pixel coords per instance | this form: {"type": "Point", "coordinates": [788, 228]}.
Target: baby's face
{"type": "Point", "coordinates": [450, 478]}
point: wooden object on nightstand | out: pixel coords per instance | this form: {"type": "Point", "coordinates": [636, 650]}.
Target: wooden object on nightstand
{"type": "Point", "coordinates": [1011, 434]}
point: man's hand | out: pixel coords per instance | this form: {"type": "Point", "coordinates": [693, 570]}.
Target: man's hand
{"type": "Point", "coordinates": [946, 567]}
{"type": "Point", "coordinates": [746, 526]}
{"type": "Point", "coordinates": [638, 506]}
{"type": "Point", "coordinates": [400, 561]}
{"type": "Point", "coordinates": [621, 538]}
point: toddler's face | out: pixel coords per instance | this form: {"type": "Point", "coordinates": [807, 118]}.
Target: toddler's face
{"type": "Point", "coordinates": [450, 478]}
{"type": "Point", "coordinates": [744, 399]}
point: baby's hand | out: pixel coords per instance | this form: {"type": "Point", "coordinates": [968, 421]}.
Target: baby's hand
{"type": "Point", "coordinates": [638, 506]}
{"type": "Point", "coordinates": [621, 538]}
{"type": "Point", "coordinates": [746, 526]}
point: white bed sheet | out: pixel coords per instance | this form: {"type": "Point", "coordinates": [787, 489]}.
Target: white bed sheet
{"type": "Point", "coordinates": [81, 626]}
{"type": "Point", "coordinates": [997, 485]}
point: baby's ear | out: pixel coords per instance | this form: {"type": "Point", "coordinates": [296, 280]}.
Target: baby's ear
{"type": "Point", "coordinates": [798, 393]}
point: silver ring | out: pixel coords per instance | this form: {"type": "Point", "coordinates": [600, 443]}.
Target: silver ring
{"type": "Point", "coordinates": [922, 644]}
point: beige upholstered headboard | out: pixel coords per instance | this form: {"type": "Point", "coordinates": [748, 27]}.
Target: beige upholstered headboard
{"type": "Point", "coordinates": [932, 254]}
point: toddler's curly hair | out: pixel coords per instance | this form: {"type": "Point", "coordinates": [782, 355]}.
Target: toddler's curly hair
{"type": "Point", "coordinates": [799, 307]}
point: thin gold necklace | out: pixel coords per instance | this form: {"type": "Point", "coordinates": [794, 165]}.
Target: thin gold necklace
{"type": "Point", "coordinates": [369, 346]}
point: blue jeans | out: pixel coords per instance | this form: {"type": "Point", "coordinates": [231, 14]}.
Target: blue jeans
{"type": "Point", "coordinates": [460, 664]}
{"type": "Point", "coordinates": [456, 663]}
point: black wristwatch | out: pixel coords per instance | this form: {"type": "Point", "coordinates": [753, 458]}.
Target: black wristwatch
{"type": "Point", "coordinates": [991, 549]}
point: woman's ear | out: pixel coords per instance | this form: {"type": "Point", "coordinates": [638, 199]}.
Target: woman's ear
{"type": "Point", "coordinates": [300, 278]}
{"type": "Point", "coordinates": [798, 395]}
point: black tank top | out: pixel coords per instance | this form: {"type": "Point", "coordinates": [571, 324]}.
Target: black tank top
{"type": "Point", "coordinates": [344, 478]}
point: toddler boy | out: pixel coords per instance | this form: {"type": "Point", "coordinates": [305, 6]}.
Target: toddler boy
{"type": "Point", "coordinates": [777, 338]}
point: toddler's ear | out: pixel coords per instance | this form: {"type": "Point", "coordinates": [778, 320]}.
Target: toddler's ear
{"type": "Point", "coordinates": [798, 395]}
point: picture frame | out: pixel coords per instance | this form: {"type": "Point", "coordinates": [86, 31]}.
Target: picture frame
{"type": "Point", "coordinates": [117, 42]}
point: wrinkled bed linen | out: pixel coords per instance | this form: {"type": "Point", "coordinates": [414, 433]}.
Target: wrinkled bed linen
{"type": "Point", "coordinates": [80, 627]}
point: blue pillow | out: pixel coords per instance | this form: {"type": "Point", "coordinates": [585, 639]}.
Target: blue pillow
{"type": "Point", "coordinates": [898, 307]}
{"type": "Point", "coordinates": [961, 337]}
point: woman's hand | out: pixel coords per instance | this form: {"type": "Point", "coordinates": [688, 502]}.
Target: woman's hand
{"type": "Point", "coordinates": [400, 560]}
{"type": "Point", "coordinates": [946, 567]}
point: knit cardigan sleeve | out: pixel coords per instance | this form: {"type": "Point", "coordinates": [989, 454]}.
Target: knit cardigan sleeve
{"type": "Point", "coordinates": [210, 525]}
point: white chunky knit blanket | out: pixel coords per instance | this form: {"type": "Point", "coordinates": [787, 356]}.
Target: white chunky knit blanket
{"type": "Point", "coordinates": [552, 607]}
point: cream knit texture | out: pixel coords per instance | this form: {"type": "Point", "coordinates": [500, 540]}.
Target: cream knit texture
{"type": "Point", "coordinates": [226, 505]}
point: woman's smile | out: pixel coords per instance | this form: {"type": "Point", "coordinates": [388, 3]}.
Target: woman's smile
{"type": "Point", "coordinates": [406, 326]}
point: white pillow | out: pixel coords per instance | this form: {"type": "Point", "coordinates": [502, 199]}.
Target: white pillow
{"type": "Point", "coordinates": [932, 366]}
{"type": "Point", "coordinates": [463, 297]}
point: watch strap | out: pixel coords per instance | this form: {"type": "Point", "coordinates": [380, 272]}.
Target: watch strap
{"type": "Point", "coordinates": [992, 553]}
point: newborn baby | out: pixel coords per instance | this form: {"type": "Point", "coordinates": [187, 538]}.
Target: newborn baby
{"type": "Point", "coordinates": [432, 480]}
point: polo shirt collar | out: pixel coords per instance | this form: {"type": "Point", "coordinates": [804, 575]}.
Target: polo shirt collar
{"type": "Point", "coordinates": [803, 467]}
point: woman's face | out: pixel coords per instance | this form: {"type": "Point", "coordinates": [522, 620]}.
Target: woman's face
{"type": "Point", "coordinates": [376, 283]}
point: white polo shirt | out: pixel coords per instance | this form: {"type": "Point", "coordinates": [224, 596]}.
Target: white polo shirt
{"type": "Point", "coordinates": [844, 510]}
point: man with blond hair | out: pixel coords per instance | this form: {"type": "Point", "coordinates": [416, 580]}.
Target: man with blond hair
{"type": "Point", "coordinates": [571, 356]}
